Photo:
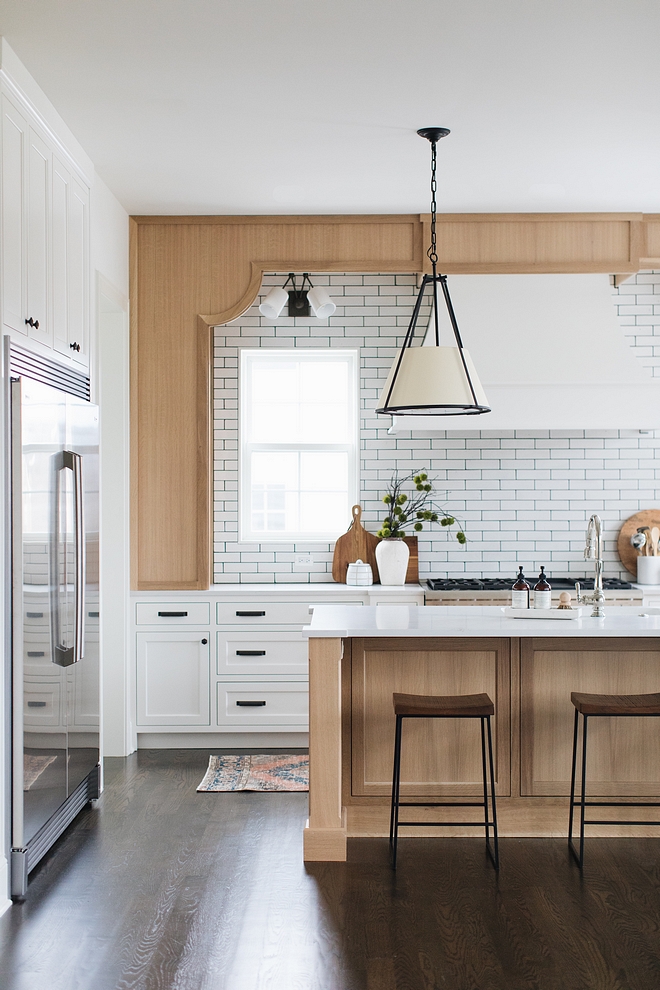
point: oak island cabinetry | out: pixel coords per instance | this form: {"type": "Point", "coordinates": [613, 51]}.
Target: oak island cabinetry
{"type": "Point", "coordinates": [359, 659]}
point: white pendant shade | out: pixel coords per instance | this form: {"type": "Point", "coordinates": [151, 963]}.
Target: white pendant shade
{"type": "Point", "coordinates": [432, 381]}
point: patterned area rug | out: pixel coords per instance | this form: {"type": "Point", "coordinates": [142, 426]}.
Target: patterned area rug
{"type": "Point", "coordinates": [33, 767]}
{"type": "Point", "coordinates": [284, 772]}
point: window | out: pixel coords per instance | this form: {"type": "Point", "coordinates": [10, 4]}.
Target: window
{"type": "Point", "coordinates": [298, 428]}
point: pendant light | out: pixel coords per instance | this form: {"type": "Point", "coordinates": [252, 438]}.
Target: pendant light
{"type": "Point", "coordinates": [433, 380]}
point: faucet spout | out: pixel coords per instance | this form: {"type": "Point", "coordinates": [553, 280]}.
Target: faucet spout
{"type": "Point", "coordinates": [593, 550]}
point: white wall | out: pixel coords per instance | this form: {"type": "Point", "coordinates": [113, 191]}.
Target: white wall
{"type": "Point", "coordinates": [109, 254]}
{"type": "Point", "coordinates": [524, 497]}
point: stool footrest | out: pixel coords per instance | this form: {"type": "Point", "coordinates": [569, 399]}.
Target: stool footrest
{"type": "Point", "coordinates": [616, 821]}
{"type": "Point", "coordinates": [441, 804]}
{"type": "Point", "coordinates": [447, 824]}
{"type": "Point", "coordinates": [620, 804]}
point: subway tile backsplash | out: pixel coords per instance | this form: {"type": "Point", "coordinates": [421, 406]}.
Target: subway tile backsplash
{"type": "Point", "coordinates": [523, 496]}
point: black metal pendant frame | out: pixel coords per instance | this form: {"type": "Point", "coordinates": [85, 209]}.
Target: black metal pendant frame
{"type": "Point", "coordinates": [433, 135]}
{"type": "Point", "coordinates": [473, 409]}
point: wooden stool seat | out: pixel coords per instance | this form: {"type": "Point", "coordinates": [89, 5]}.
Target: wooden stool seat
{"type": "Point", "coordinates": [477, 706]}
{"type": "Point", "coordinates": [616, 704]}
{"type": "Point", "coordinates": [451, 706]}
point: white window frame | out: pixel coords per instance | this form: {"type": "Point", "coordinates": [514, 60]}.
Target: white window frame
{"type": "Point", "coordinates": [352, 447]}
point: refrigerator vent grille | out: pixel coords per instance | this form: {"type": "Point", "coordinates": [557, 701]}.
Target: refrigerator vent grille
{"type": "Point", "coordinates": [42, 369]}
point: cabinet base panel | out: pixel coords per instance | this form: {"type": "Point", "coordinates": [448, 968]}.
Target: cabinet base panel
{"type": "Point", "coordinates": [223, 740]}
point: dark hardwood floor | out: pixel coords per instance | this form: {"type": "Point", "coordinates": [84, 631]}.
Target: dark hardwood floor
{"type": "Point", "coordinates": [159, 887]}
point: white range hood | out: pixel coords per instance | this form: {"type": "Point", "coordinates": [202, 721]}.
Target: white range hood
{"type": "Point", "coordinates": [550, 354]}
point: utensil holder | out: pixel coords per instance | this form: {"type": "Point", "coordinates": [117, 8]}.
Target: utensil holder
{"type": "Point", "coordinates": [648, 570]}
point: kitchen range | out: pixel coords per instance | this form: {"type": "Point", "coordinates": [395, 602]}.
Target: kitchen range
{"type": "Point", "coordinates": [497, 591]}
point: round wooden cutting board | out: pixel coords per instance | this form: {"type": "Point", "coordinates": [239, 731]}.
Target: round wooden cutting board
{"type": "Point", "coordinates": [627, 553]}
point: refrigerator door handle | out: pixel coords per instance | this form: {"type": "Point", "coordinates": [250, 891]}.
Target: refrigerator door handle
{"type": "Point", "coordinates": [65, 656]}
{"type": "Point", "coordinates": [73, 461]}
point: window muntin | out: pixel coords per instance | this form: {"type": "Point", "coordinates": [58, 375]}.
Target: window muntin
{"type": "Point", "coordinates": [298, 419]}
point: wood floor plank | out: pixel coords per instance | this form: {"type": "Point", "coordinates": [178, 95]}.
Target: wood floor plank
{"type": "Point", "coordinates": [160, 888]}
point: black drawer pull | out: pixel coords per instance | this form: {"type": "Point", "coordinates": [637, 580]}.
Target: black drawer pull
{"type": "Point", "coordinates": [93, 615]}
{"type": "Point", "coordinates": [250, 704]}
{"type": "Point", "coordinates": [34, 615]}
{"type": "Point", "coordinates": [36, 653]}
{"type": "Point", "coordinates": [173, 615]}
{"type": "Point", "coordinates": [250, 653]}
{"type": "Point", "coordinates": [36, 704]}
{"type": "Point", "coordinates": [250, 614]}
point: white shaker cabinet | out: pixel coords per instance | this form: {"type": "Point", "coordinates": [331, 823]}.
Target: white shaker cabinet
{"type": "Point", "coordinates": [14, 132]}
{"type": "Point", "coordinates": [173, 671]}
{"type": "Point", "coordinates": [45, 242]}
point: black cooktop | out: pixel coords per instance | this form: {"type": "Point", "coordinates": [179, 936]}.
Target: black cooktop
{"type": "Point", "coordinates": [503, 584]}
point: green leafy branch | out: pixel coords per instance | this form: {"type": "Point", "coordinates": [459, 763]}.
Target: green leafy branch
{"type": "Point", "coordinates": [413, 510]}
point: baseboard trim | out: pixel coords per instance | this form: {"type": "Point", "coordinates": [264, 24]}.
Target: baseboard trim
{"type": "Point", "coordinates": [324, 845]}
{"type": "Point", "coordinates": [223, 740]}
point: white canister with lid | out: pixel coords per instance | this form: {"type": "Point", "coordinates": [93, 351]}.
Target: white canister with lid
{"type": "Point", "coordinates": [359, 573]}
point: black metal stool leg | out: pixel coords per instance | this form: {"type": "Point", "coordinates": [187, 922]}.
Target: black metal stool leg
{"type": "Point", "coordinates": [396, 783]}
{"type": "Point", "coordinates": [584, 787]}
{"type": "Point", "coordinates": [496, 857]}
{"type": "Point", "coordinates": [572, 801]}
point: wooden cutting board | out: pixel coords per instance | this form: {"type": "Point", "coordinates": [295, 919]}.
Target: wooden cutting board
{"type": "Point", "coordinates": [356, 544]}
{"type": "Point", "coordinates": [628, 554]}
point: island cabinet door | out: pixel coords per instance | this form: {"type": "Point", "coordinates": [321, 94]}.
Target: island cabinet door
{"type": "Point", "coordinates": [623, 753]}
{"type": "Point", "coordinates": [439, 756]}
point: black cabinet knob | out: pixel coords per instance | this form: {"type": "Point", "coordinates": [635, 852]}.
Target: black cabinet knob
{"type": "Point", "coordinates": [75, 346]}
{"type": "Point", "coordinates": [33, 323]}
{"type": "Point", "coordinates": [204, 642]}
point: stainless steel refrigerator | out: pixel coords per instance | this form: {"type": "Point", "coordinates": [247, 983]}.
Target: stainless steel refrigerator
{"type": "Point", "coordinates": [55, 617]}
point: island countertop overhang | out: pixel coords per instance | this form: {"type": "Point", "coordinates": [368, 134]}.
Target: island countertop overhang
{"type": "Point", "coordinates": [371, 621]}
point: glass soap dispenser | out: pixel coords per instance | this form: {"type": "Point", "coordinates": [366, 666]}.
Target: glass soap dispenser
{"type": "Point", "coordinates": [542, 592]}
{"type": "Point", "coordinates": [520, 591]}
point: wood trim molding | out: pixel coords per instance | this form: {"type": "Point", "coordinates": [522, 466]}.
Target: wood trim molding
{"type": "Point", "coordinates": [189, 274]}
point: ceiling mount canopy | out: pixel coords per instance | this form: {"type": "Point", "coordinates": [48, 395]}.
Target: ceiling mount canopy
{"type": "Point", "coordinates": [433, 380]}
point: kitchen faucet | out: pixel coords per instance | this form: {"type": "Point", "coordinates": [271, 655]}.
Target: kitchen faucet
{"type": "Point", "coordinates": [594, 551]}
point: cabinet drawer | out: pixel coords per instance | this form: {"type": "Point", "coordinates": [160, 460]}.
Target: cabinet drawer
{"type": "Point", "coordinates": [263, 614]}
{"type": "Point", "coordinates": [260, 653]}
{"type": "Point", "coordinates": [173, 613]}
{"type": "Point", "coordinates": [283, 703]}
{"type": "Point", "coordinates": [41, 702]}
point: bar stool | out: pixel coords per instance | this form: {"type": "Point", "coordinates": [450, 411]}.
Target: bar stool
{"type": "Point", "coordinates": [599, 705]}
{"type": "Point", "coordinates": [462, 706]}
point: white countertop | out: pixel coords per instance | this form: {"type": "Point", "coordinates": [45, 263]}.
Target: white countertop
{"type": "Point", "coordinates": [340, 621]}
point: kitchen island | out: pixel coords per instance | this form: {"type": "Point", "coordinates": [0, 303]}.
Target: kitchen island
{"type": "Point", "coordinates": [358, 657]}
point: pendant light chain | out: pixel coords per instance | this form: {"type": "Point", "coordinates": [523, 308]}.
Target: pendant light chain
{"type": "Point", "coordinates": [432, 251]}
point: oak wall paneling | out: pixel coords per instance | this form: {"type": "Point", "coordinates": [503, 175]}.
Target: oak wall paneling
{"type": "Point", "coordinates": [189, 274]}
{"type": "Point", "coordinates": [439, 756]}
{"type": "Point", "coordinates": [623, 753]}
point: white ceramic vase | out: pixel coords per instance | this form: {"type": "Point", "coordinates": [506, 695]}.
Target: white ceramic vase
{"type": "Point", "coordinates": [392, 558]}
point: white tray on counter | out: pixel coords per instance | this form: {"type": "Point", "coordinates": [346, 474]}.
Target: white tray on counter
{"type": "Point", "coordinates": [542, 613]}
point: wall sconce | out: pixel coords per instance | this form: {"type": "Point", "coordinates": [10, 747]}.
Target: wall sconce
{"type": "Point", "coordinates": [300, 300]}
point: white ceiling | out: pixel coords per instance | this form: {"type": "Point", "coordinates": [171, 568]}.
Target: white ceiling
{"type": "Point", "coordinates": [311, 106]}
